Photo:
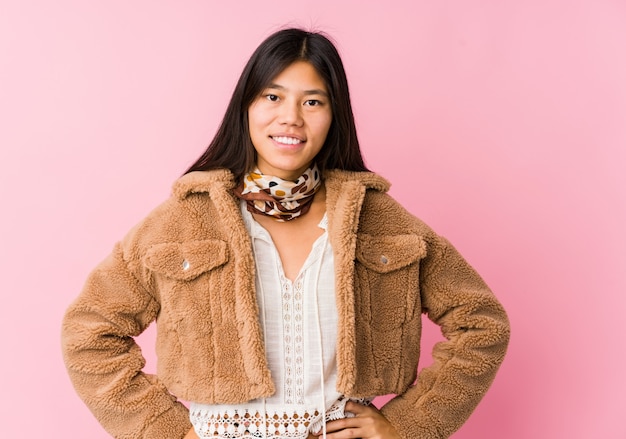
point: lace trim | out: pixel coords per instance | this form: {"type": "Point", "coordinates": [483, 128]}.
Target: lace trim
{"type": "Point", "coordinates": [292, 296]}
{"type": "Point", "coordinates": [293, 339]}
{"type": "Point", "coordinates": [237, 423]}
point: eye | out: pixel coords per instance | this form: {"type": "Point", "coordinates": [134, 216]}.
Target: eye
{"type": "Point", "coordinates": [312, 102]}
{"type": "Point", "coordinates": [271, 97]}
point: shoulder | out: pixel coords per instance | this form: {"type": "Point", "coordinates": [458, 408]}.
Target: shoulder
{"type": "Point", "coordinates": [337, 179]}
{"type": "Point", "coordinates": [379, 210]}
{"type": "Point", "coordinates": [203, 182]}
{"type": "Point", "coordinates": [380, 214]}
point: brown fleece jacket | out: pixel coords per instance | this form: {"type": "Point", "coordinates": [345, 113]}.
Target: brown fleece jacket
{"type": "Point", "coordinates": [189, 265]}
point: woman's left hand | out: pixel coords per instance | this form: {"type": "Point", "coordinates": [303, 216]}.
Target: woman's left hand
{"type": "Point", "coordinates": [368, 423]}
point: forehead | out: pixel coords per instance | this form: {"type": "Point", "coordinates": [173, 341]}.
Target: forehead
{"type": "Point", "coordinates": [300, 75]}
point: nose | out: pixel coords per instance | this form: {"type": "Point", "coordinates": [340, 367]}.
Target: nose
{"type": "Point", "coordinates": [290, 114]}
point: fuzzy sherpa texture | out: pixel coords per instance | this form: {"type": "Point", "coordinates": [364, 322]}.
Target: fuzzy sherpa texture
{"type": "Point", "coordinates": [189, 266]}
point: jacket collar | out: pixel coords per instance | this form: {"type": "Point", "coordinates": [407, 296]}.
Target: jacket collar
{"type": "Point", "coordinates": [198, 182]}
{"type": "Point", "coordinates": [205, 181]}
{"type": "Point", "coordinates": [369, 180]}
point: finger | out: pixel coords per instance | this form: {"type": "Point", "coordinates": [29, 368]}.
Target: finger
{"type": "Point", "coordinates": [358, 409]}
{"type": "Point", "coordinates": [345, 433]}
{"type": "Point", "coordinates": [336, 425]}
{"type": "Point", "coordinates": [342, 424]}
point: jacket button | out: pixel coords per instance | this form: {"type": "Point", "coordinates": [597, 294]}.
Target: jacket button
{"type": "Point", "coordinates": [186, 265]}
{"type": "Point", "coordinates": [384, 259]}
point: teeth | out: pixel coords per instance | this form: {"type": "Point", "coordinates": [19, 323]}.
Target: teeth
{"type": "Point", "coordinates": [287, 140]}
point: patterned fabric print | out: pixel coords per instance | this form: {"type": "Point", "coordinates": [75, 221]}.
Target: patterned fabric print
{"type": "Point", "coordinates": [282, 199]}
{"type": "Point", "coordinates": [248, 424]}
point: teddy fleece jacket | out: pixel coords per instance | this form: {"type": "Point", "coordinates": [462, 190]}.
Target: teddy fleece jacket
{"type": "Point", "coordinates": [189, 266]}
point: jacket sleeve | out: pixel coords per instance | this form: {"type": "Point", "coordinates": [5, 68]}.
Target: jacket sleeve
{"type": "Point", "coordinates": [476, 330]}
{"type": "Point", "coordinates": [104, 362]}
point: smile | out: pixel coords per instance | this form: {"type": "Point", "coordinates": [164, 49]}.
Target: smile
{"type": "Point", "coordinates": [287, 140]}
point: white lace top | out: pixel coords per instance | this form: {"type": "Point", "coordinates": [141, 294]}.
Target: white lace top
{"type": "Point", "coordinates": [299, 320]}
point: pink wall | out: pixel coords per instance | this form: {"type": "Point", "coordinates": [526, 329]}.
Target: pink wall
{"type": "Point", "coordinates": [507, 117]}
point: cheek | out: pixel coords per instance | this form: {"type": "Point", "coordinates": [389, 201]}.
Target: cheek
{"type": "Point", "coordinates": [319, 122]}
{"type": "Point", "coordinates": [258, 118]}
{"type": "Point", "coordinates": [323, 126]}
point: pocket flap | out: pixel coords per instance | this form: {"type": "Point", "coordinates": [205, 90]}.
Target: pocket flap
{"type": "Point", "coordinates": [388, 253]}
{"type": "Point", "coordinates": [187, 260]}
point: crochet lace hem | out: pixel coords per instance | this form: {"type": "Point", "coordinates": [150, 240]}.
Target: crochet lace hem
{"type": "Point", "coordinates": [279, 423]}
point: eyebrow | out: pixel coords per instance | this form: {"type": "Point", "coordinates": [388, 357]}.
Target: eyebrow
{"type": "Point", "coordinates": [315, 91]}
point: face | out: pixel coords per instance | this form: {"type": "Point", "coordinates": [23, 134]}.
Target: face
{"type": "Point", "coordinates": [289, 121]}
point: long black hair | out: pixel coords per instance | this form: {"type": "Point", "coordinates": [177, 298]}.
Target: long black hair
{"type": "Point", "coordinates": [232, 148]}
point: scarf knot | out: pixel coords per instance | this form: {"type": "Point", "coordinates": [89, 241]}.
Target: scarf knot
{"type": "Point", "coordinates": [284, 200]}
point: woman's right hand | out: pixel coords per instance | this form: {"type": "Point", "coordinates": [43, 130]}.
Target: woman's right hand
{"type": "Point", "coordinates": [191, 434]}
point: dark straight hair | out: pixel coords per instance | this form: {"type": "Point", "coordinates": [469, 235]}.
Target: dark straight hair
{"type": "Point", "coordinates": [232, 148]}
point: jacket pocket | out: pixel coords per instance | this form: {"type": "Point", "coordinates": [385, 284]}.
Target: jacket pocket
{"type": "Point", "coordinates": [185, 261]}
{"type": "Point", "coordinates": [387, 278]}
{"type": "Point", "coordinates": [189, 279]}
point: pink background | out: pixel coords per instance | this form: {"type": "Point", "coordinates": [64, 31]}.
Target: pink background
{"type": "Point", "coordinates": [500, 123]}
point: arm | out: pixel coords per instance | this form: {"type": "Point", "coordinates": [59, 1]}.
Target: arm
{"type": "Point", "coordinates": [476, 329]}
{"type": "Point", "coordinates": [105, 363]}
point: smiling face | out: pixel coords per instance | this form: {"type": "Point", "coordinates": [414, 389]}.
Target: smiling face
{"type": "Point", "coordinates": [289, 121]}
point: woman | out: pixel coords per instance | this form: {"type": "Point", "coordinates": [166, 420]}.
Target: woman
{"type": "Point", "coordinates": [286, 284]}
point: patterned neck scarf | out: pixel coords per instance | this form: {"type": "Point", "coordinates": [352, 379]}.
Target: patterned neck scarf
{"type": "Point", "coordinates": [284, 200]}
